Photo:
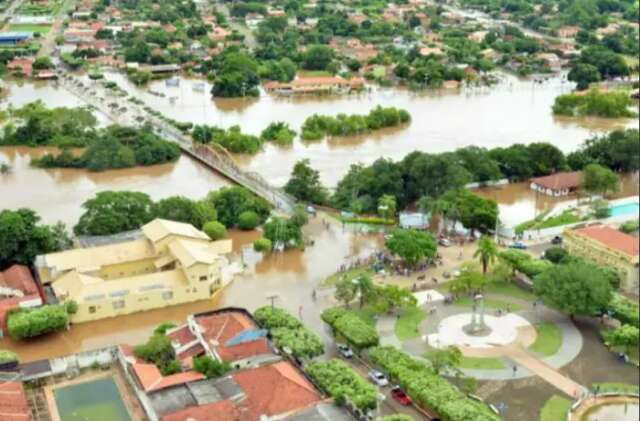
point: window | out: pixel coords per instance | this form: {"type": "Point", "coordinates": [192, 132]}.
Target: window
{"type": "Point", "coordinates": [92, 309]}
{"type": "Point", "coordinates": [203, 278]}
{"type": "Point", "coordinates": [118, 304]}
{"type": "Point", "coordinates": [167, 295]}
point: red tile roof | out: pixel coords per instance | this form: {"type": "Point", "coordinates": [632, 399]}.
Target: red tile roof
{"type": "Point", "coordinates": [13, 402]}
{"type": "Point", "coordinates": [19, 277]}
{"type": "Point", "coordinates": [181, 334]}
{"type": "Point", "coordinates": [275, 389]}
{"type": "Point", "coordinates": [559, 181]}
{"type": "Point", "coordinates": [612, 238]}
{"type": "Point", "coordinates": [218, 411]}
{"type": "Point", "coordinates": [219, 328]}
{"type": "Point", "coordinates": [151, 379]}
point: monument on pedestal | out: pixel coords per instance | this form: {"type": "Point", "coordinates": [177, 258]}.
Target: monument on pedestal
{"type": "Point", "coordinates": [477, 327]}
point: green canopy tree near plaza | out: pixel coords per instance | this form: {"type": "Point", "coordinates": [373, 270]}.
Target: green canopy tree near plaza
{"type": "Point", "coordinates": [487, 252]}
{"type": "Point", "coordinates": [574, 288]}
{"type": "Point", "coordinates": [412, 245]}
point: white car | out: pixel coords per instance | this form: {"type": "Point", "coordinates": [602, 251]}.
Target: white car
{"type": "Point", "coordinates": [378, 378]}
{"type": "Point", "coordinates": [345, 351]}
{"type": "Point", "coordinates": [444, 242]}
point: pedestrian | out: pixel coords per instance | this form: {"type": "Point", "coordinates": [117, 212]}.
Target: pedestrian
{"type": "Point", "coordinates": [313, 295]}
{"type": "Point", "coordinates": [515, 370]}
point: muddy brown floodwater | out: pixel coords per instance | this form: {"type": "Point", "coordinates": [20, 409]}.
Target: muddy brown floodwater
{"type": "Point", "coordinates": [291, 276]}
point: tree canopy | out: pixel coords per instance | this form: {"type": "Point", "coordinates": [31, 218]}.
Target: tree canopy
{"type": "Point", "coordinates": [111, 212]}
{"type": "Point", "coordinates": [412, 245]}
{"type": "Point", "coordinates": [305, 184]}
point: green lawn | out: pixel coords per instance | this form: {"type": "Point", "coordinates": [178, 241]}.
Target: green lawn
{"type": "Point", "coordinates": [349, 274]}
{"type": "Point", "coordinates": [549, 339]}
{"type": "Point", "coordinates": [481, 363]}
{"type": "Point", "coordinates": [511, 290]}
{"type": "Point", "coordinates": [26, 27]}
{"type": "Point", "coordinates": [407, 325]}
{"type": "Point", "coordinates": [555, 409]}
{"type": "Point", "coordinates": [616, 387]}
{"type": "Point", "coordinates": [489, 303]}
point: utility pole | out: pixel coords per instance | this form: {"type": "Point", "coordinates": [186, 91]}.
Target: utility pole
{"type": "Point", "coordinates": [272, 298]}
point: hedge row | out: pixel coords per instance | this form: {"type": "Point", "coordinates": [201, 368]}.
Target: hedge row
{"type": "Point", "coordinates": [428, 389]}
{"type": "Point", "coordinates": [523, 262]}
{"type": "Point", "coordinates": [288, 332]}
{"type": "Point", "coordinates": [625, 310]}
{"type": "Point", "coordinates": [351, 327]}
{"type": "Point", "coordinates": [342, 383]}
{"type": "Point", "coordinates": [28, 323]}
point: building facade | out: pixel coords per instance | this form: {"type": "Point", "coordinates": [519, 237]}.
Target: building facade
{"type": "Point", "coordinates": [558, 184]}
{"type": "Point", "coordinates": [173, 263]}
{"type": "Point", "coordinates": [607, 246]}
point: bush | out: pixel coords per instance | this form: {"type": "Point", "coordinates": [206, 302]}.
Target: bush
{"type": "Point", "coordinates": [625, 310]}
{"type": "Point", "coordinates": [159, 351]}
{"type": "Point", "coordinates": [625, 335]}
{"type": "Point", "coordinates": [288, 332]}
{"type": "Point", "coordinates": [215, 230]}
{"type": "Point", "coordinates": [630, 226]}
{"type": "Point", "coordinates": [248, 220]}
{"type": "Point", "coordinates": [352, 328]}
{"type": "Point", "coordinates": [343, 383]}
{"type": "Point", "coordinates": [594, 103]}
{"type": "Point", "coordinates": [29, 323]}
{"type": "Point", "coordinates": [7, 356]}
{"type": "Point", "coordinates": [163, 327]}
{"type": "Point", "coordinates": [209, 367]}
{"type": "Point", "coordinates": [555, 254]}
{"type": "Point", "coordinates": [263, 245]}
{"type": "Point", "coordinates": [427, 389]}
{"type": "Point", "coordinates": [71, 306]}
{"type": "Point", "coordinates": [318, 126]}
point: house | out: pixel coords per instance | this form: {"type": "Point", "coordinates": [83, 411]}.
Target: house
{"type": "Point", "coordinates": [610, 29]}
{"type": "Point", "coordinates": [558, 184]}
{"type": "Point", "coordinates": [21, 66]}
{"type": "Point", "coordinates": [218, 33]}
{"type": "Point", "coordinates": [174, 263]}
{"type": "Point", "coordinates": [315, 85]}
{"type": "Point", "coordinates": [13, 402]}
{"type": "Point", "coordinates": [451, 84]}
{"type": "Point", "coordinates": [551, 60]}
{"type": "Point", "coordinates": [607, 246]}
{"type": "Point", "coordinates": [18, 289]}
{"type": "Point", "coordinates": [426, 51]}
{"type": "Point", "coordinates": [357, 18]}
{"type": "Point", "coordinates": [568, 31]}
{"type": "Point", "coordinates": [477, 36]}
{"type": "Point", "coordinates": [253, 20]}
{"type": "Point", "coordinates": [14, 38]}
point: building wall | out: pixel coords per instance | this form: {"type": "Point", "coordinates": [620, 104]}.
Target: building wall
{"type": "Point", "coordinates": [126, 269]}
{"type": "Point", "coordinates": [596, 252]}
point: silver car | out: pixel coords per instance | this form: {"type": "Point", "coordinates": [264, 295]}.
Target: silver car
{"type": "Point", "coordinates": [378, 378]}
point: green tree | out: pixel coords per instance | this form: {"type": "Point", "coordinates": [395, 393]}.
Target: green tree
{"type": "Point", "coordinates": [599, 179]}
{"type": "Point", "coordinates": [574, 288]}
{"type": "Point", "coordinates": [29, 323]}
{"type": "Point", "coordinates": [237, 76]}
{"type": "Point", "coordinates": [262, 245]}
{"type": "Point", "coordinates": [284, 233]}
{"type": "Point", "coordinates": [486, 252]}
{"type": "Point", "coordinates": [444, 359]}
{"type": "Point", "coordinates": [468, 281]}
{"type": "Point", "coordinates": [248, 220]}
{"type": "Point", "coordinates": [387, 206]}
{"type": "Point", "coordinates": [411, 245]}
{"type": "Point", "coordinates": [215, 230]}
{"type": "Point", "coordinates": [584, 74]}
{"type": "Point", "coordinates": [230, 202]}
{"type": "Point", "coordinates": [42, 63]}
{"type": "Point", "coordinates": [278, 132]}
{"type": "Point", "coordinates": [364, 288]}
{"type": "Point", "coordinates": [22, 237]}
{"type": "Point", "coordinates": [345, 291]}
{"type": "Point", "coordinates": [182, 209]}
{"type": "Point", "coordinates": [625, 335]}
{"type": "Point", "coordinates": [210, 367]}
{"type": "Point", "coordinates": [305, 184]}
{"type": "Point", "coordinates": [111, 212]}
{"type": "Point", "coordinates": [555, 254]}
{"type": "Point", "coordinates": [317, 57]}
{"type": "Point", "coordinates": [390, 298]}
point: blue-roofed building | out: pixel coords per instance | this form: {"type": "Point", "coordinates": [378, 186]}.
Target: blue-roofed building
{"type": "Point", "coordinates": [13, 38]}
{"type": "Point", "coordinates": [414, 220]}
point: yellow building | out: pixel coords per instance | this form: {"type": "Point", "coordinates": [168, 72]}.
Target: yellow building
{"type": "Point", "coordinates": [173, 264]}
{"type": "Point", "coordinates": [608, 247]}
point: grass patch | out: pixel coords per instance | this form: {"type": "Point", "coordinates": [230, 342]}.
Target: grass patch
{"type": "Point", "coordinates": [511, 290]}
{"type": "Point", "coordinates": [407, 325]}
{"type": "Point", "coordinates": [490, 303]}
{"type": "Point", "coordinates": [555, 409]}
{"type": "Point", "coordinates": [481, 363]}
{"type": "Point", "coordinates": [27, 27]}
{"type": "Point", "coordinates": [349, 274]}
{"type": "Point", "coordinates": [549, 339]}
{"type": "Point", "coordinates": [616, 387]}
{"type": "Point", "coordinates": [367, 314]}
{"type": "Point", "coordinates": [568, 216]}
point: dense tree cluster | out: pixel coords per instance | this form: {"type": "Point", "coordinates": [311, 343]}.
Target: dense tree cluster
{"type": "Point", "coordinates": [352, 328]}
{"type": "Point", "coordinates": [594, 103]}
{"type": "Point", "coordinates": [231, 202]}
{"type": "Point", "coordinates": [318, 126]}
{"type": "Point", "coordinates": [305, 184]}
{"type": "Point", "coordinates": [23, 237]}
{"type": "Point", "coordinates": [231, 139]}
{"type": "Point", "coordinates": [236, 75]}
{"type": "Point", "coordinates": [340, 381]}
{"type": "Point", "coordinates": [619, 150]}
{"type": "Point", "coordinates": [29, 323]}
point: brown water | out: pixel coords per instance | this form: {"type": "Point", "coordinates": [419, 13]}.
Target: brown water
{"type": "Point", "coordinates": [56, 194]}
{"type": "Point", "coordinates": [518, 203]}
{"type": "Point", "coordinates": [290, 276]}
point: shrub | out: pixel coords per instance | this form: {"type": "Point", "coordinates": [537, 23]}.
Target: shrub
{"type": "Point", "coordinates": [209, 367]}
{"type": "Point", "coordinates": [159, 351]}
{"type": "Point", "coordinates": [248, 220]}
{"type": "Point", "coordinates": [215, 230]}
{"type": "Point", "coordinates": [7, 356]}
{"type": "Point", "coordinates": [163, 327]}
{"type": "Point", "coordinates": [427, 389]}
{"type": "Point", "coordinates": [625, 335]}
{"type": "Point", "coordinates": [263, 245]}
{"type": "Point", "coordinates": [625, 310]}
{"type": "Point", "coordinates": [352, 328]}
{"type": "Point", "coordinates": [594, 103]}
{"type": "Point", "coordinates": [272, 317]}
{"type": "Point", "coordinates": [38, 321]}
{"type": "Point", "coordinates": [630, 226]}
{"type": "Point", "coordinates": [342, 383]}
{"type": "Point", "coordinates": [71, 306]}
{"type": "Point", "coordinates": [555, 254]}
{"type": "Point", "coordinates": [288, 332]}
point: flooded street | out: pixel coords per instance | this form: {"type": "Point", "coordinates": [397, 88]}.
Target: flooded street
{"type": "Point", "coordinates": [290, 276]}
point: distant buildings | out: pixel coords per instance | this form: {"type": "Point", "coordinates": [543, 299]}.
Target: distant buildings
{"type": "Point", "coordinates": [558, 184]}
{"type": "Point", "coordinates": [315, 85]}
{"type": "Point", "coordinates": [607, 246]}
{"type": "Point", "coordinates": [173, 264]}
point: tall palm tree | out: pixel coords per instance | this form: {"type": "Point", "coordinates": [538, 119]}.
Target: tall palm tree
{"type": "Point", "coordinates": [486, 252]}
{"type": "Point", "coordinates": [365, 287]}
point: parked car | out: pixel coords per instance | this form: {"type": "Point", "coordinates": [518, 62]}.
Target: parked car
{"type": "Point", "coordinates": [378, 378]}
{"type": "Point", "coordinates": [444, 242]}
{"type": "Point", "coordinates": [344, 350]}
{"type": "Point", "coordinates": [556, 240]}
{"type": "Point", "coordinates": [518, 245]}
{"type": "Point", "coordinates": [399, 395]}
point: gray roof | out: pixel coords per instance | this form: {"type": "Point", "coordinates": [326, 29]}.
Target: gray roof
{"type": "Point", "coordinates": [322, 412]}
{"type": "Point", "coordinates": [196, 393]}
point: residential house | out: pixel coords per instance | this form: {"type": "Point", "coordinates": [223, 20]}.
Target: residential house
{"type": "Point", "coordinates": [13, 402]}
{"type": "Point", "coordinates": [21, 66]}
{"type": "Point", "coordinates": [607, 246]}
{"type": "Point", "coordinates": [558, 184]}
{"type": "Point", "coordinates": [426, 51]}
{"type": "Point", "coordinates": [315, 85]}
{"type": "Point", "coordinates": [173, 263]}
{"type": "Point", "coordinates": [551, 60]}
{"type": "Point", "coordinates": [477, 36]}
{"type": "Point", "coordinates": [568, 31]}
{"type": "Point", "coordinates": [610, 29]}
{"type": "Point", "coordinates": [18, 289]}
{"type": "Point", "coordinates": [253, 20]}
{"type": "Point", "coordinates": [357, 18]}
